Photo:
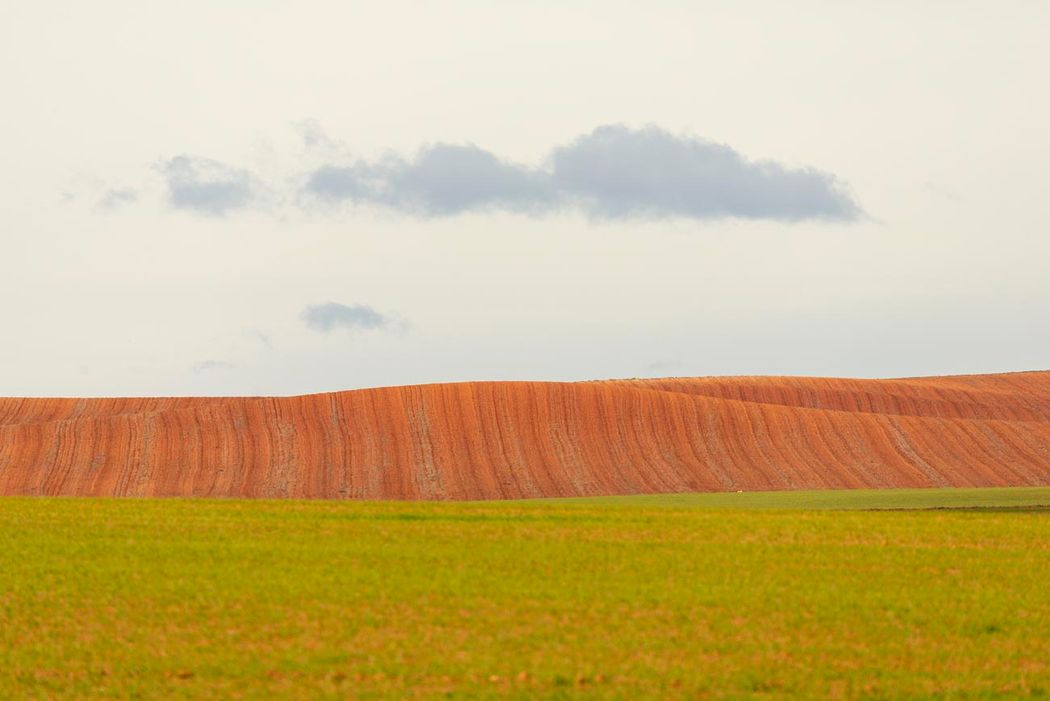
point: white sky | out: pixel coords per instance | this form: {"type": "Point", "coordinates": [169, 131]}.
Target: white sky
{"type": "Point", "coordinates": [935, 115]}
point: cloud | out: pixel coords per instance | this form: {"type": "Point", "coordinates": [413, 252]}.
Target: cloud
{"type": "Point", "coordinates": [206, 186]}
{"type": "Point", "coordinates": [117, 197]}
{"type": "Point", "coordinates": [264, 339]}
{"type": "Point", "coordinates": [331, 315]}
{"type": "Point", "coordinates": [206, 365]}
{"type": "Point", "coordinates": [314, 136]}
{"type": "Point", "coordinates": [335, 183]}
{"type": "Point", "coordinates": [441, 180]}
{"type": "Point", "coordinates": [614, 172]}
{"type": "Point", "coordinates": [446, 179]}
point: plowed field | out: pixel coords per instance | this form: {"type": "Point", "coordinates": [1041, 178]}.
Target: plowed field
{"type": "Point", "coordinates": [511, 440]}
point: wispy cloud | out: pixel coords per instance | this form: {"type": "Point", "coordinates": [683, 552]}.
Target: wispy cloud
{"type": "Point", "coordinates": [664, 365]}
{"type": "Point", "coordinates": [263, 339]}
{"type": "Point", "coordinates": [314, 136]}
{"type": "Point", "coordinates": [117, 197]}
{"type": "Point", "coordinates": [330, 316]}
{"type": "Point", "coordinates": [206, 365]}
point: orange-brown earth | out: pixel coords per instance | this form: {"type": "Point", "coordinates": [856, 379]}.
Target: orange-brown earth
{"type": "Point", "coordinates": [505, 440]}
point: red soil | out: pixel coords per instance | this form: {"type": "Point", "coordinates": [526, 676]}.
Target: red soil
{"type": "Point", "coordinates": [505, 440]}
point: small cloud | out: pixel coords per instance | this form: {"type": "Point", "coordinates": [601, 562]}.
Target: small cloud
{"type": "Point", "coordinates": [206, 365]}
{"type": "Point", "coordinates": [206, 186]}
{"type": "Point", "coordinates": [118, 197]}
{"type": "Point", "coordinates": [331, 315]}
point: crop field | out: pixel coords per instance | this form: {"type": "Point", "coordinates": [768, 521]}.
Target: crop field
{"type": "Point", "coordinates": [680, 596]}
{"type": "Point", "coordinates": [523, 440]}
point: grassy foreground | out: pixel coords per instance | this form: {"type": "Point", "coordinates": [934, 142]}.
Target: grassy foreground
{"type": "Point", "coordinates": [235, 599]}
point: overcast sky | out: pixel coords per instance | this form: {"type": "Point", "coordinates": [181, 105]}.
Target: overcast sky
{"type": "Point", "coordinates": [289, 197]}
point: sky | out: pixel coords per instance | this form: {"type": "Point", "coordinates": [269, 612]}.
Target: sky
{"type": "Point", "coordinates": [209, 198]}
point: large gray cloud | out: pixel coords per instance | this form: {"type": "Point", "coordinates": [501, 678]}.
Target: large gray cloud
{"type": "Point", "coordinates": [206, 186]}
{"type": "Point", "coordinates": [332, 315]}
{"type": "Point", "coordinates": [614, 172]}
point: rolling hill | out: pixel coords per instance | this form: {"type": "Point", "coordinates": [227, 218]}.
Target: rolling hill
{"type": "Point", "coordinates": [510, 440]}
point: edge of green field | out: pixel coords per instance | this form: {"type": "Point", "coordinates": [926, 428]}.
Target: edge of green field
{"type": "Point", "coordinates": [1019, 498]}
{"type": "Point", "coordinates": [961, 498]}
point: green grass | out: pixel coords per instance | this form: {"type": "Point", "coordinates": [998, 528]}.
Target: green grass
{"type": "Point", "coordinates": [625, 599]}
{"type": "Point", "coordinates": [977, 498]}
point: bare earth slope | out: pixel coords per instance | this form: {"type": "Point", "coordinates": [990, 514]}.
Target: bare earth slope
{"type": "Point", "coordinates": [505, 440]}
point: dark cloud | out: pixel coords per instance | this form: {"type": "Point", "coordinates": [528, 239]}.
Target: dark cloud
{"type": "Point", "coordinates": [206, 186]}
{"type": "Point", "coordinates": [117, 197]}
{"type": "Point", "coordinates": [612, 173]}
{"type": "Point", "coordinates": [332, 315]}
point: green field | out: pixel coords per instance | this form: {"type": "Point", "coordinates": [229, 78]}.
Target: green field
{"type": "Point", "coordinates": [681, 596]}
{"type": "Point", "coordinates": [1003, 498]}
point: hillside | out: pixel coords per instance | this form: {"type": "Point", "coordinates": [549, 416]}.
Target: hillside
{"type": "Point", "coordinates": [508, 440]}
